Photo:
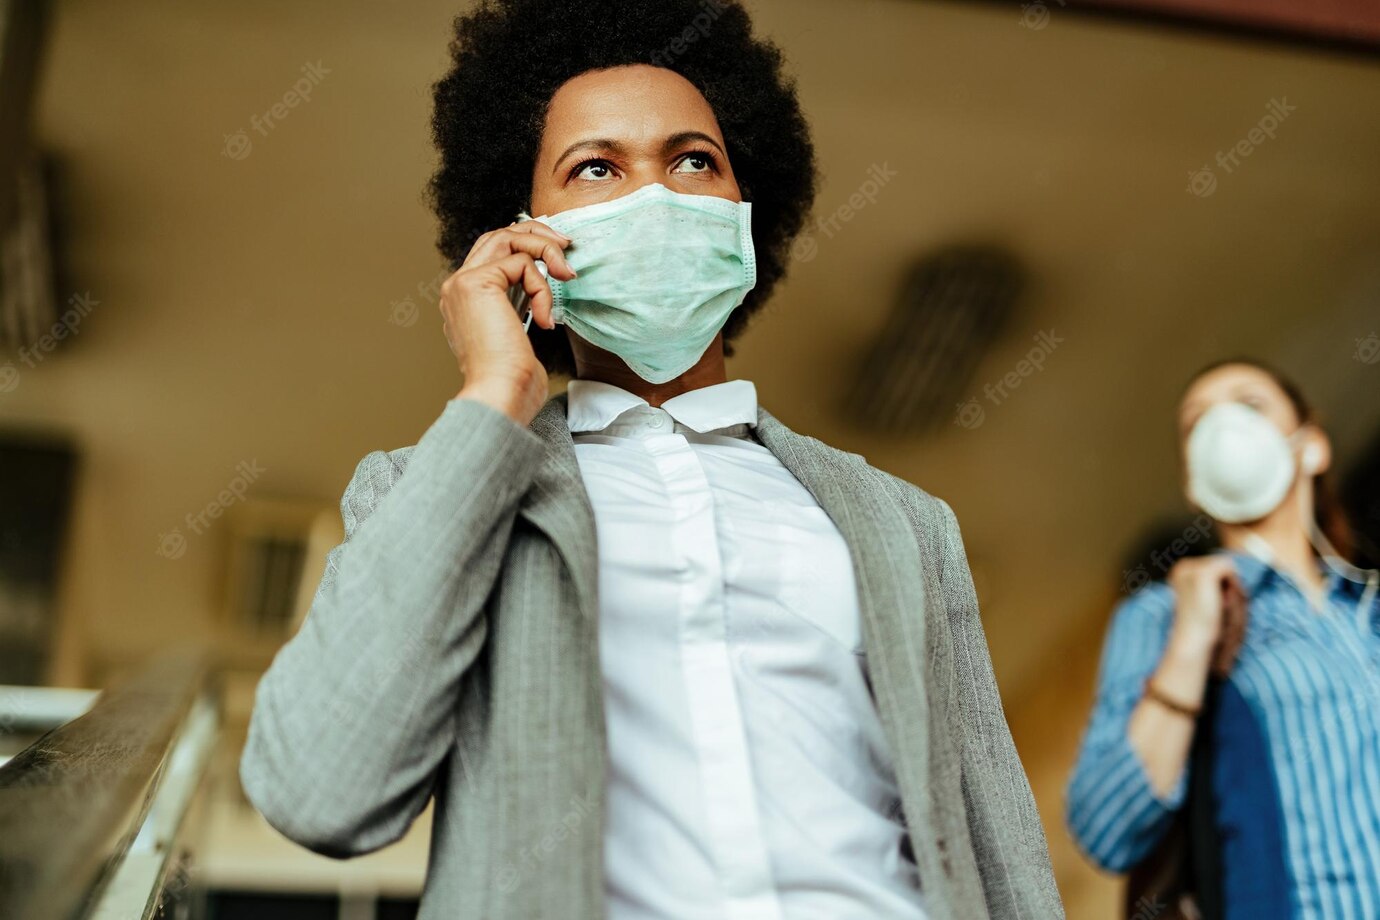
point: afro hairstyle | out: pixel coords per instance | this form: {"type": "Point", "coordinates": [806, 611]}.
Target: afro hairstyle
{"type": "Point", "coordinates": [508, 58]}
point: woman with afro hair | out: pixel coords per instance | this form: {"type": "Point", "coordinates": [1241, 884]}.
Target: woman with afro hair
{"type": "Point", "coordinates": [652, 653]}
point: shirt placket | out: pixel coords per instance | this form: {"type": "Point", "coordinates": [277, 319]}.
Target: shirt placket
{"type": "Point", "coordinates": [732, 817]}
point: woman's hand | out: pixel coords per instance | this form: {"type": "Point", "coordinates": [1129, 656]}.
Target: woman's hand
{"type": "Point", "coordinates": [1200, 588]}
{"type": "Point", "coordinates": [1162, 734]}
{"type": "Point", "coordinates": [485, 332]}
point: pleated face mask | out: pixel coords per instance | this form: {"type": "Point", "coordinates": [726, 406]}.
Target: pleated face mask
{"type": "Point", "coordinates": [659, 274]}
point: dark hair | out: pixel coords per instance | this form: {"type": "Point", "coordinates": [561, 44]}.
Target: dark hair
{"type": "Point", "coordinates": [1327, 507]}
{"type": "Point", "coordinates": [510, 56]}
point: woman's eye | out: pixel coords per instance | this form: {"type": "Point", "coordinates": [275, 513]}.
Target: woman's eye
{"type": "Point", "coordinates": [593, 170]}
{"type": "Point", "coordinates": [695, 163]}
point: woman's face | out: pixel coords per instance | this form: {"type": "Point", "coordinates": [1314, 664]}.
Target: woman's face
{"type": "Point", "coordinates": [1240, 383]}
{"type": "Point", "coordinates": [611, 132]}
{"type": "Point", "coordinates": [1255, 388]}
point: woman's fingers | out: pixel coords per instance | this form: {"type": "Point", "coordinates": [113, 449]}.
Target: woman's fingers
{"type": "Point", "coordinates": [536, 226]}
{"type": "Point", "coordinates": [531, 237]}
{"type": "Point", "coordinates": [520, 270]}
{"type": "Point", "coordinates": [492, 349]}
{"type": "Point", "coordinates": [538, 290]}
{"type": "Point", "coordinates": [515, 249]}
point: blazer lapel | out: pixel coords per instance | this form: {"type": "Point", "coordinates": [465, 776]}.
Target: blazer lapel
{"type": "Point", "coordinates": [891, 591]}
{"type": "Point", "coordinates": [558, 504]}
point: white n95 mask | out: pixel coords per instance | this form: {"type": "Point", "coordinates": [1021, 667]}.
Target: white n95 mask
{"type": "Point", "coordinates": [659, 274]}
{"type": "Point", "coordinates": [1240, 467]}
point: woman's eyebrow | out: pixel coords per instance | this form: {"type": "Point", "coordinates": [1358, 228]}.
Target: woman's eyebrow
{"type": "Point", "coordinates": [684, 137]}
{"type": "Point", "coordinates": [596, 143]}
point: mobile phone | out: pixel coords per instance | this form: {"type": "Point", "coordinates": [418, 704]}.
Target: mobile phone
{"type": "Point", "coordinates": [521, 302]}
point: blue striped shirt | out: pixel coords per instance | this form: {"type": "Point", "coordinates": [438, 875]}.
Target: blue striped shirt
{"type": "Point", "coordinates": [1312, 683]}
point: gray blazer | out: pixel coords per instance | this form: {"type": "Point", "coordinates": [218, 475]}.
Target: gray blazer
{"type": "Point", "coordinates": [451, 652]}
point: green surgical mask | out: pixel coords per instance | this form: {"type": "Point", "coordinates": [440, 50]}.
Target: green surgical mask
{"type": "Point", "coordinates": [659, 274]}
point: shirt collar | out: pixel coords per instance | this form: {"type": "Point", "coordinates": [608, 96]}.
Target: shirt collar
{"type": "Point", "coordinates": [592, 405]}
{"type": "Point", "coordinates": [1256, 574]}
{"type": "Point", "coordinates": [1253, 570]}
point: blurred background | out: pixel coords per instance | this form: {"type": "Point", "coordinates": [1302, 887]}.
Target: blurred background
{"type": "Point", "coordinates": [218, 288]}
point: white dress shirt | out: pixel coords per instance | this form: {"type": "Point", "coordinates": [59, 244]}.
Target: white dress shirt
{"type": "Point", "coordinates": [749, 777]}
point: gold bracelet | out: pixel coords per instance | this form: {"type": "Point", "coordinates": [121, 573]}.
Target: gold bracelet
{"type": "Point", "coordinates": [1153, 693]}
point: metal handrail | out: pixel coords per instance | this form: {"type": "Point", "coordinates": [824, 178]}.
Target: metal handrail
{"type": "Point", "coordinates": [73, 802]}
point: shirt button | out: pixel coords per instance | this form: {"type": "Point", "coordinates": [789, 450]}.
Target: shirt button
{"type": "Point", "coordinates": [659, 421]}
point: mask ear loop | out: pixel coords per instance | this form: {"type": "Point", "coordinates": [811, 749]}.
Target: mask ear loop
{"type": "Point", "coordinates": [1334, 561]}
{"type": "Point", "coordinates": [1343, 567]}
{"type": "Point", "coordinates": [1259, 547]}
